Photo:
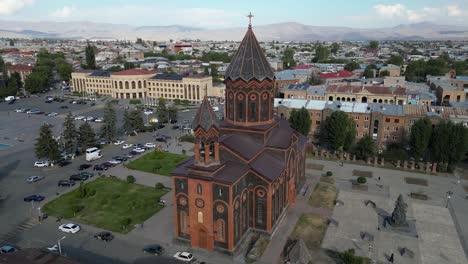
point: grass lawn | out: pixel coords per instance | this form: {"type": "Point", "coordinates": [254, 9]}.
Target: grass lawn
{"type": "Point", "coordinates": [108, 204]}
{"type": "Point", "coordinates": [324, 196]}
{"type": "Point", "coordinates": [310, 228]}
{"type": "Point", "coordinates": [157, 162]}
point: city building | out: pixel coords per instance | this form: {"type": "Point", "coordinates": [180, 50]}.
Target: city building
{"type": "Point", "coordinates": [140, 84]}
{"type": "Point", "coordinates": [247, 169]}
{"type": "Point", "coordinates": [449, 88]}
{"type": "Point", "coordinates": [23, 70]}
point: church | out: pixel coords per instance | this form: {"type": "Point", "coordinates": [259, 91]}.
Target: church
{"type": "Point", "coordinates": [247, 169]}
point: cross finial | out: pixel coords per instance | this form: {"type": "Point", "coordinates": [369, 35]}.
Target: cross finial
{"type": "Point", "coordinates": [250, 19]}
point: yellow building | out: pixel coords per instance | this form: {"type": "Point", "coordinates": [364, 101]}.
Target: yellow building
{"type": "Point", "coordinates": [143, 84]}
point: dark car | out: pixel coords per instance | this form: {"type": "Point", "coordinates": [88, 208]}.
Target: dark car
{"type": "Point", "coordinates": [121, 159]}
{"type": "Point", "coordinates": [128, 156]}
{"type": "Point", "coordinates": [84, 166]}
{"type": "Point", "coordinates": [34, 197]}
{"type": "Point", "coordinates": [63, 163]}
{"type": "Point", "coordinates": [77, 177]}
{"type": "Point", "coordinates": [99, 167]}
{"type": "Point", "coordinates": [161, 139]}
{"type": "Point", "coordinates": [108, 164]}
{"type": "Point", "coordinates": [86, 174]}
{"type": "Point", "coordinates": [173, 121]}
{"type": "Point", "coordinates": [67, 183]}
{"type": "Point", "coordinates": [63, 107]}
{"type": "Point", "coordinates": [133, 153]}
{"type": "Point", "coordinates": [104, 236]}
{"type": "Point", "coordinates": [7, 249]}
{"type": "Point", "coordinates": [175, 127]}
{"type": "Point", "coordinates": [161, 126]}
{"type": "Point", "coordinates": [154, 249]}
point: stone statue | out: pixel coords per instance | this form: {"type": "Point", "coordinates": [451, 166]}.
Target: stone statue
{"type": "Point", "coordinates": [399, 213]}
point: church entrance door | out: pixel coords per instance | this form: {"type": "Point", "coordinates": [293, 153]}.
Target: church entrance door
{"type": "Point", "coordinates": [202, 239]}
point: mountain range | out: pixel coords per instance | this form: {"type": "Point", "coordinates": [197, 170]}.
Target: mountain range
{"type": "Point", "coordinates": [289, 31]}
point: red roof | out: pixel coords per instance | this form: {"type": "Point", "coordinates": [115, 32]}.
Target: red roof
{"type": "Point", "coordinates": [20, 67]}
{"type": "Point", "coordinates": [340, 74]}
{"type": "Point", "coordinates": [302, 67]}
{"type": "Point", "coordinates": [134, 72]}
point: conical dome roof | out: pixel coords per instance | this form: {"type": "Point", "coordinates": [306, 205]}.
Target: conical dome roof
{"type": "Point", "coordinates": [206, 117]}
{"type": "Point", "coordinates": [249, 62]}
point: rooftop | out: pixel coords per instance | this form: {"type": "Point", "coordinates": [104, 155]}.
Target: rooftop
{"type": "Point", "coordinates": [172, 77]}
{"type": "Point", "coordinates": [339, 74]}
{"type": "Point", "coordinates": [134, 72]}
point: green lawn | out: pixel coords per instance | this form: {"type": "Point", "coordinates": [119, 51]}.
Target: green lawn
{"type": "Point", "coordinates": [157, 162]}
{"type": "Point", "coordinates": [109, 203]}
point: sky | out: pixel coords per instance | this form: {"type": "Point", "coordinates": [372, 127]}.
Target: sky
{"type": "Point", "coordinates": [232, 13]}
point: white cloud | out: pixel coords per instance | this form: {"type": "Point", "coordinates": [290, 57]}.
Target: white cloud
{"type": "Point", "coordinates": [453, 11]}
{"type": "Point", "coordinates": [8, 7]}
{"type": "Point", "coordinates": [401, 12]}
{"type": "Point", "coordinates": [63, 12]}
{"type": "Point", "coordinates": [396, 10]}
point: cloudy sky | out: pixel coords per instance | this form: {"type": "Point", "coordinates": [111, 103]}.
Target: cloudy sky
{"type": "Point", "coordinates": [229, 13]}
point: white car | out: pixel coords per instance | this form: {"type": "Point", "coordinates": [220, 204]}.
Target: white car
{"type": "Point", "coordinates": [89, 118]}
{"type": "Point", "coordinates": [57, 137]}
{"type": "Point", "coordinates": [150, 145]}
{"type": "Point", "coordinates": [139, 150]}
{"type": "Point", "coordinates": [34, 179]}
{"type": "Point", "coordinates": [119, 142]}
{"type": "Point", "coordinates": [41, 164]}
{"type": "Point", "coordinates": [185, 110]}
{"type": "Point", "coordinates": [184, 256]}
{"type": "Point", "coordinates": [52, 114]}
{"type": "Point", "coordinates": [69, 228]}
{"type": "Point", "coordinates": [148, 112]}
{"type": "Point", "coordinates": [113, 161]}
{"type": "Point", "coordinates": [79, 117]}
{"type": "Point", "coordinates": [99, 120]}
{"type": "Point", "coordinates": [126, 146]}
{"type": "Point", "coordinates": [215, 109]}
{"type": "Point", "coordinates": [19, 110]}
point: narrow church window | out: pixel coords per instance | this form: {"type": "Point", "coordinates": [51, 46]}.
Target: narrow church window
{"type": "Point", "coordinates": [265, 108]}
{"type": "Point", "coordinates": [240, 107]}
{"type": "Point", "coordinates": [212, 150]}
{"type": "Point", "coordinates": [260, 212]}
{"type": "Point", "coordinates": [199, 189]}
{"type": "Point", "coordinates": [182, 186]}
{"type": "Point", "coordinates": [202, 148]}
{"type": "Point", "coordinates": [253, 108]}
{"type": "Point", "coordinates": [200, 217]}
{"type": "Point", "coordinates": [183, 221]}
{"type": "Point", "coordinates": [221, 230]}
{"type": "Point", "coordinates": [220, 193]}
{"type": "Point", "coordinates": [231, 106]}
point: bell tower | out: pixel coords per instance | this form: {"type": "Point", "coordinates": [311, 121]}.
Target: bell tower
{"type": "Point", "coordinates": [249, 83]}
{"type": "Point", "coordinates": [206, 130]}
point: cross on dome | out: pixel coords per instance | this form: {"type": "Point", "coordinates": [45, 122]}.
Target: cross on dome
{"type": "Point", "coordinates": [250, 19]}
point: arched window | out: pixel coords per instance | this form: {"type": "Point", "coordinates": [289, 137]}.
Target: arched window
{"type": "Point", "coordinates": [265, 110]}
{"type": "Point", "coordinates": [200, 217]}
{"type": "Point", "coordinates": [133, 85]}
{"type": "Point", "coordinates": [230, 108]}
{"type": "Point", "coordinates": [183, 222]}
{"type": "Point", "coordinates": [221, 230]}
{"type": "Point", "coordinates": [212, 150]}
{"type": "Point", "coordinates": [139, 84]}
{"type": "Point", "coordinates": [240, 107]}
{"type": "Point", "coordinates": [380, 101]}
{"type": "Point", "coordinates": [199, 189]}
{"type": "Point", "coordinates": [253, 107]}
{"type": "Point", "coordinates": [364, 99]}
{"type": "Point", "coordinates": [126, 85]}
{"type": "Point", "coordinates": [202, 149]}
{"type": "Point", "coordinates": [330, 98]}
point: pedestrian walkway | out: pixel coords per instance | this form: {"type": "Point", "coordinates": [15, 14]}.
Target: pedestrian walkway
{"type": "Point", "coordinates": [12, 236]}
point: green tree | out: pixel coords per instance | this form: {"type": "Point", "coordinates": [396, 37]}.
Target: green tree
{"type": "Point", "coordinates": [373, 44]}
{"type": "Point", "coordinates": [34, 83]}
{"type": "Point", "coordinates": [351, 66]}
{"type": "Point", "coordinates": [449, 143]}
{"type": "Point", "coordinates": [214, 74]}
{"type": "Point", "coordinates": [384, 73]}
{"type": "Point", "coordinates": [12, 85]}
{"type": "Point", "coordinates": [369, 71]}
{"type": "Point", "coordinates": [70, 134]}
{"type": "Point", "coordinates": [420, 137]}
{"type": "Point", "coordinates": [215, 56]}
{"type": "Point", "coordinates": [127, 123]}
{"type": "Point", "coordinates": [90, 57]}
{"type": "Point", "coordinates": [17, 77]}
{"type": "Point", "coordinates": [399, 213]}
{"type": "Point", "coordinates": [86, 136]}
{"type": "Point", "coordinates": [172, 112]}
{"type": "Point", "coordinates": [288, 58]}
{"type": "Point", "coordinates": [350, 54]}
{"type": "Point", "coordinates": [339, 131]}
{"type": "Point", "coordinates": [46, 146]}
{"type": "Point", "coordinates": [159, 186]}
{"type": "Point", "coordinates": [136, 121]}
{"type": "Point", "coordinates": [130, 179]}
{"type": "Point", "coordinates": [129, 65]}
{"type": "Point", "coordinates": [334, 48]}
{"type": "Point", "coordinates": [300, 120]}
{"type": "Point", "coordinates": [64, 70]}
{"type": "Point", "coordinates": [206, 71]}
{"type": "Point", "coordinates": [348, 257]}
{"type": "Point", "coordinates": [315, 80]}
{"type": "Point", "coordinates": [396, 60]}
{"type": "Point", "coordinates": [321, 53]}
{"type": "Point", "coordinates": [162, 111]}
{"type": "Point", "coordinates": [365, 147]}
{"type": "Point", "coordinates": [108, 129]}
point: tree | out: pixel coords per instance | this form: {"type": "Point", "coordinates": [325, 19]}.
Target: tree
{"type": "Point", "coordinates": [12, 43]}
{"type": "Point", "coordinates": [69, 134]}
{"type": "Point", "coordinates": [215, 56]}
{"type": "Point", "coordinates": [34, 83]}
{"type": "Point", "coordinates": [315, 80]}
{"type": "Point", "coordinates": [384, 73]}
{"type": "Point", "coordinates": [369, 71]}
{"type": "Point", "coordinates": [12, 84]}
{"type": "Point", "coordinates": [396, 60]}
{"type": "Point", "coordinates": [348, 257]}
{"type": "Point", "coordinates": [86, 136]}
{"type": "Point", "coordinates": [321, 54]}
{"type": "Point", "coordinates": [288, 58]}
{"type": "Point", "coordinates": [162, 111]}
{"type": "Point", "coordinates": [108, 129]}
{"type": "Point", "coordinates": [351, 66]}
{"type": "Point", "coordinates": [127, 124]}
{"type": "Point", "coordinates": [334, 48]}
{"type": "Point", "coordinates": [172, 112]}
{"type": "Point", "coordinates": [350, 54]}
{"type": "Point", "coordinates": [64, 70]}
{"type": "Point", "coordinates": [300, 120]}
{"type": "Point", "coordinates": [420, 137]}
{"type": "Point", "coordinates": [398, 217]}
{"type": "Point", "coordinates": [206, 71]}
{"type": "Point", "coordinates": [17, 77]}
{"type": "Point", "coordinates": [339, 131]}
{"type": "Point", "coordinates": [46, 146]}
{"type": "Point", "coordinates": [130, 179]}
{"type": "Point", "coordinates": [214, 74]}
{"type": "Point", "coordinates": [365, 147]}
{"type": "Point", "coordinates": [129, 65]}
{"type": "Point", "coordinates": [90, 57]}
{"type": "Point", "coordinates": [159, 186]}
{"type": "Point", "coordinates": [373, 44]}
{"type": "Point", "coordinates": [449, 143]}
{"type": "Point", "coordinates": [133, 122]}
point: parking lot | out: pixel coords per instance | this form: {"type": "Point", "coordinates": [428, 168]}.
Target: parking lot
{"type": "Point", "coordinates": [20, 225]}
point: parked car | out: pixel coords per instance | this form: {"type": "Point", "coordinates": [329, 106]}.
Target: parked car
{"type": "Point", "coordinates": [134, 153]}
{"type": "Point", "coordinates": [41, 164]}
{"type": "Point", "coordinates": [150, 145]}
{"type": "Point", "coordinates": [63, 162]}
{"type": "Point", "coordinates": [128, 156]}
{"type": "Point", "coordinates": [99, 167]}
{"type": "Point", "coordinates": [119, 142]}
{"type": "Point", "coordinates": [7, 249]}
{"type": "Point", "coordinates": [161, 126]}
{"type": "Point", "coordinates": [63, 107]}
{"type": "Point", "coordinates": [52, 114]}
{"type": "Point", "coordinates": [161, 139]}
{"type": "Point", "coordinates": [121, 159]}
{"type": "Point", "coordinates": [108, 164]}
{"type": "Point", "coordinates": [84, 166]}
{"type": "Point", "coordinates": [155, 249]}
{"type": "Point", "coordinates": [103, 142]}
{"type": "Point", "coordinates": [184, 256]}
{"type": "Point", "coordinates": [148, 111]}
{"type": "Point", "coordinates": [114, 161]}
{"type": "Point", "coordinates": [99, 120]}
{"type": "Point", "coordinates": [77, 177]}
{"type": "Point", "coordinates": [86, 174]}
{"type": "Point", "coordinates": [175, 127]}
{"type": "Point", "coordinates": [79, 117]}
{"type": "Point", "coordinates": [34, 197]}
{"type": "Point", "coordinates": [33, 111]}
{"type": "Point", "coordinates": [126, 146]}
{"type": "Point", "coordinates": [89, 118]}
{"type": "Point", "coordinates": [69, 228]}
{"type": "Point", "coordinates": [34, 179]}
{"type": "Point", "coordinates": [104, 236]}
{"type": "Point", "coordinates": [173, 121]}
{"type": "Point", "coordinates": [67, 183]}
{"type": "Point", "coordinates": [19, 110]}
{"type": "Point", "coordinates": [139, 150]}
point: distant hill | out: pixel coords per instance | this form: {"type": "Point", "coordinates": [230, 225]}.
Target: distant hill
{"type": "Point", "coordinates": [289, 31]}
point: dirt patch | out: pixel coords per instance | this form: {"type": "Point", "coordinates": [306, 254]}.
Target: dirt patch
{"type": "Point", "coordinates": [416, 181]}
{"type": "Point", "coordinates": [324, 196]}
{"type": "Point", "coordinates": [419, 196]}
{"type": "Point", "coordinates": [329, 180]}
{"type": "Point", "coordinates": [360, 187]}
{"type": "Point", "coordinates": [311, 229]}
{"type": "Point", "coordinates": [367, 174]}
{"type": "Point", "coordinates": [313, 166]}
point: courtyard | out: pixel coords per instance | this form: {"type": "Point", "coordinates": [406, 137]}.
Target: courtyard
{"type": "Point", "coordinates": [161, 163]}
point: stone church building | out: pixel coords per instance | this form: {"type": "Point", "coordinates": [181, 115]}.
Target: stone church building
{"type": "Point", "coordinates": [247, 169]}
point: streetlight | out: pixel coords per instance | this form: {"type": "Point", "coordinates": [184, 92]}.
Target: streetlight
{"type": "Point", "coordinates": [449, 196]}
{"type": "Point", "coordinates": [59, 246]}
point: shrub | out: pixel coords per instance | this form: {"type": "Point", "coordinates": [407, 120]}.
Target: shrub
{"type": "Point", "coordinates": [76, 208]}
{"type": "Point", "coordinates": [176, 101]}
{"type": "Point", "coordinates": [185, 102]}
{"type": "Point", "coordinates": [184, 151]}
{"type": "Point", "coordinates": [329, 174]}
{"type": "Point", "coordinates": [130, 179]}
{"type": "Point", "coordinates": [157, 167]}
{"type": "Point", "coordinates": [361, 180]}
{"type": "Point", "coordinates": [135, 101]}
{"type": "Point", "coordinates": [91, 193]}
{"type": "Point", "coordinates": [125, 222]}
{"type": "Point", "coordinates": [159, 186]}
{"type": "Point", "coordinates": [114, 101]}
{"type": "Point", "coordinates": [187, 138]}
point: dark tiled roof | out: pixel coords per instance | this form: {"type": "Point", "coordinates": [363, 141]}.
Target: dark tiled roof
{"type": "Point", "coordinates": [171, 77]}
{"type": "Point", "coordinates": [232, 171]}
{"type": "Point", "coordinates": [249, 62]}
{"type": "Point", "coordinates": [268, 165]}
{"type": "Point", "coordinates": [281, 136]}
{"type": "Point", "coordinates": [242, 144]}
{"type": "Point", "coordinates": [134, 72]}
{"type": "Point", "coordinates": [100, 74]}
{"type": "Point", "coordinates": [206, 117]}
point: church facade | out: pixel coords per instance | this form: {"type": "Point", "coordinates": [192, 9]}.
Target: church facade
{"type": "Point", "coordinates": [247, 169]}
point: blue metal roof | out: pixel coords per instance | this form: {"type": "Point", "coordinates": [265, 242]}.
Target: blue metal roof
{"type": "Point", "coordinates": [172, 77]}
{"type": "Point", "coordinates": [100, 74]}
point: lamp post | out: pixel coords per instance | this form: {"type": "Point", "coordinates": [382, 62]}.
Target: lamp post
{"type": "Point", "coordinates": [59, 245]}
{"type": "Point", "coordinates": [449, 196]}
